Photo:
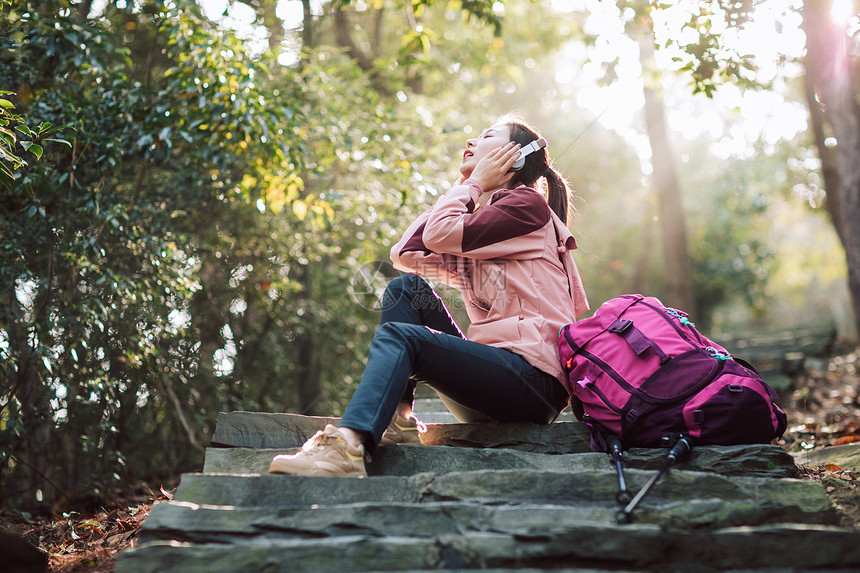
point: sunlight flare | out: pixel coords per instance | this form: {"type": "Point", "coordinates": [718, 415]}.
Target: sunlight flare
{"type": "Point", "coordinates": [841, 11]}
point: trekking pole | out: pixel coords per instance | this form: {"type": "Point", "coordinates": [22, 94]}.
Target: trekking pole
{"type": "Point", "coordinates": [623, 497]}
{"type": "Point", "coordinates": [681, 447]}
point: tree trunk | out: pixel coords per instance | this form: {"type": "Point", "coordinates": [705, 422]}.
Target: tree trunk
{"type": "Point", "coordinates": [84, 10]}
{"type": "Point", "coordinates": [208, 322]}
{"type": "Point", "coordinates": [343, 34]}
{"type": "Point", "coordinates": [308, 37]}
{"type": "Point", "coordinates": [343, 29]}
{"type": "Point", "coordinates": [646, 249]}
{"type": "Point", "coordinates": [27, 387]}
{"type": "Point", "coordinates": [678, 268]}
{"type": "Point", "coordinates": [307, 372]}
{"type": "Point", "coordinates": [830, 69]}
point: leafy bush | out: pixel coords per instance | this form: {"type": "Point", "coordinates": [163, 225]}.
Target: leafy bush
{"type": "Point", "coordinates": [189, 251]}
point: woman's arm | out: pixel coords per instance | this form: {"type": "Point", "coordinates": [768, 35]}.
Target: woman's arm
{"type": "Point", "coordinates": [411, 255]}
{"type": "Point", "coordinates": [511, 226]}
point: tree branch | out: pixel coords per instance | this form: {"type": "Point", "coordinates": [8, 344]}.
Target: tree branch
{"type": "Point", "coordinates": [177, 405]}
{"type": "Point", "coordinates": [36, 471]}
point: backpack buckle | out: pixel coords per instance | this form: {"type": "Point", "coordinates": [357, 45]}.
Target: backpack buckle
{"type": "Point", "coordinates": [620, 326]}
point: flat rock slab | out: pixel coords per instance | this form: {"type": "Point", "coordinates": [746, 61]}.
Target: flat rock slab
{"type": "Point", "coordinates": [434, 411]}
{"type": "Point", "coordinates": [184, 521]}
{"type": "Point", "coordinates": [635, 547]}
{"type": "Point", "coordinates": [267, 430]}
{"type": "Point", "coordinates": [750, 460]}
{"type": "Point", "coordinates": [556, 438]}
{"type": "Point", "coordinates": [795, 500]}
{"type": "Point", "coordinates": [754, 460]}
{"type": "Point", "coordinates": [846, 457]}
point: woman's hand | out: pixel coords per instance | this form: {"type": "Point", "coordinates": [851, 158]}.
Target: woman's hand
{"type": "Point", "coordinates": [493, 170]}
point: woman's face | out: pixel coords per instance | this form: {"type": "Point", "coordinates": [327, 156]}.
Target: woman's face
{"type": "Point", "coordinates": [491, 138]}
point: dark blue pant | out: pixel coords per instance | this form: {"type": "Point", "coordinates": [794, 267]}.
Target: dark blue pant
{"type": "Point", "coordinates": [418, 341]}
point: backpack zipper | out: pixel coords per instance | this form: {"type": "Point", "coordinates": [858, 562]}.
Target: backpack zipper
{"type": "Point", "coordinates": [641, 393]}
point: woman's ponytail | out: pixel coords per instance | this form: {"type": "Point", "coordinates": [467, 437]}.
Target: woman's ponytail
{"type": "Point", "coordinates": [558, 193]}
{"type": "Point", "coordinates": [537, 166]}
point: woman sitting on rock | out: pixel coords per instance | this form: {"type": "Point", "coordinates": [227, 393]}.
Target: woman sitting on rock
{"type": "Point", "coordinates": [507, 248]}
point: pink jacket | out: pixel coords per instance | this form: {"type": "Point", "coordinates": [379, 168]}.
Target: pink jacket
{"type": "Point", "coordinates": [506, 259]}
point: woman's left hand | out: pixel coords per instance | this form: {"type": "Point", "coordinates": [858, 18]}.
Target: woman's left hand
{"type": "Point", "coordinates": [493, 170]}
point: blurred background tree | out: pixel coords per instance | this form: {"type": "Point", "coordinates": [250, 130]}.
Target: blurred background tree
{"type": "Point", "coordinates": [830, 77]}
{"type": "Point", "coordinates": [209, 228]}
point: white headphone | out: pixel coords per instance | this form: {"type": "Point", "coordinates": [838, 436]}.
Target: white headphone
{"type": "Point", "coordinates": [535, 145]}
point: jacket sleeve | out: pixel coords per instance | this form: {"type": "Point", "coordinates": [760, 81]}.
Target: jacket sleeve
{"type": "Point", "coordinates": [511, 226]}
{"type": "Point", "coordinates": [410, 255]}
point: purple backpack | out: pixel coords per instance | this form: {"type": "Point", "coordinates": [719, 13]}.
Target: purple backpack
{"type": "Point", "coordinates": [642, 371]}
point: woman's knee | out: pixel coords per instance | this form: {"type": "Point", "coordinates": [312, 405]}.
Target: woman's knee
{"type": "Point", "coordinates": [403, 290]}
{"type": "Point", "coordinates": [403, 331]}
{"type": "Point", "coordinates": [406, 282]}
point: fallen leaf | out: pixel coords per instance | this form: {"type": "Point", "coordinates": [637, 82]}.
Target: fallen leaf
{"type": "Point", "coordinates": [832, 467]}
{"type": "Point", "coordinates": [846, 440]}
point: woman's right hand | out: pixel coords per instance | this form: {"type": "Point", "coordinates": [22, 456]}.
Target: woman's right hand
{"type": "Point", "coordinates": [493, 171]}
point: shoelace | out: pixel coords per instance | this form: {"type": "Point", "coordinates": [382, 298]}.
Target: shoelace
{"type": "Point", "coordinates": [316, 440]}
{"type": "Point", "coordinates": [319, 440]}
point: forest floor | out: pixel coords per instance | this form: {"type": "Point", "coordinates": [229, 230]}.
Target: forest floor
{"type": "Point", "coordinates": [823, 410]}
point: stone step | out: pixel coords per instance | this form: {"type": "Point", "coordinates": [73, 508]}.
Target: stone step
{"type": "Point", "coordinates": [191, 522]}
{"type": "Point", "coordinates": [609, 547]}
{"type": "Point", "coordinates": [753, 460]}
{"type": "Point", "coordinates": [500, 497]}
{"type": "Point", "coordinates": [276, 431]}
{"type": "Point", "coordinates": [796, 500]}
{"type": "Point", "coordinates": [846, 456]}
{"type": "Point", "coordinates": [184, 521]}
{"type": "Point", "coordinates": [431, 410]}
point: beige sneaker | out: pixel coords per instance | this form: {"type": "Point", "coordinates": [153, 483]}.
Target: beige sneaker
{"type": "Point", "coordinates": [403, 431]}
{"type": "Point", "coordinates": [327, 453]}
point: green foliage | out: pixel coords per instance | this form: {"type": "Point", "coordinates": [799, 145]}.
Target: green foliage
{"type": "Point", "coordinates": [170, 266]}
{"type": "Point", "coordinates": [730, 245]}
{"type": "Point", "coordinates": [92, 263]}
{"type": "Point", "coordinates": [483, 11]}
{"type": "Point", "coordinates": [712, 58]}
{"type": "Point", "coordinates": [8, 139]}
{"type": "Point", "coordinates": [93, 242]}
{"type": "Point", "coordinates": [10, 123]}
